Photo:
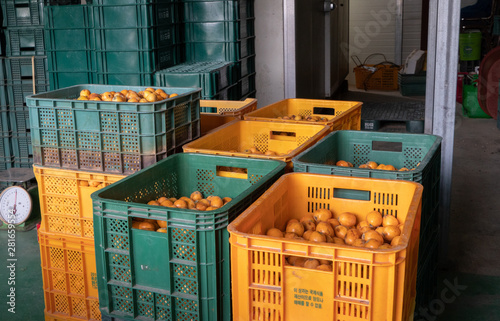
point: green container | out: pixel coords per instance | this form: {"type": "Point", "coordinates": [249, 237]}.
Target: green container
{"type": "Point", "coordinates": [210, 11]}
{"type": "Point", "coordinates": [110, 137]}
{"type": "Point", "coordinates": [183, 274]}
{"type": "Point", "coordinates": [19, 70]}
{"type": "Point", "coordinates": [247, 85]}
{"type": "Point", "coordinates": [27, 41]}
{"type": "Point", "coordinates": [22, 13]}
{"type": "Point", "coordinates": [6, 162]}
{"type": "Point", "coordinates": [19, 119]}
{"type": "Point", "coordinates": [225, 51]}
{"type": "Point", "coordinates": [21, 145]}
{"type": "Point", "coordinates": [210, 76]}
{"type": "Point", "coordinates": [496, 26]}
{"type": "Point", "coordinates": [17, 93]}
{"type": "Point", "coordinates": [470, 46]}
{"type": "Point", "coordinates": [219, 30]}
{"type": "Point", "coordinates": [63, 79]}
{"type": "Point", "coordinates": [24, 162]}
{"type": "Point", "coordinates": [470, 103]}
{"type": "Point", "coordinates": [124, 79]}
{"type": "Point", "coordinates": [419, 151]}
{"type": "Point", "coordinates": [412, 85]}
{"type": "Point", "coordinates": [245, 66]}
{"type": "Point", "coordinates": [229, 93]}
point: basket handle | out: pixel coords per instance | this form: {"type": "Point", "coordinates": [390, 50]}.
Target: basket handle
{"type": "Point", "coordinates": [356, 60]}
{"type": "Point", "coordinates": [373, 55]}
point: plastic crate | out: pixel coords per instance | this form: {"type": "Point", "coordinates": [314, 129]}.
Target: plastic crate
{"type": "Point", "coordinates": [210, 76]}
{"type": "Point", "coordinates": [4, 120]}
{"type": "Point", "coordinates": [282, 138]}
{"type": "Point", "coordinates": [246, 85]}
{"type": "Point", "coordinates": [124, 79]}
{"type": "Point", "coordinates": [245, 66]}
{"type": "Point", "coordinates": [17, 93]}
{"type": "Point", "coordinates": [219, 30]}
{"type": "Point", "coordinates": [5, 146]}
{"type": "Point", "coordinates": [65, 202]}
{"type": "Point", "coordinates": [116, 138]}
{"type": "Point", "coordinates": [364, 284]}
{"type": "Point", "coordinates": [190, 280]}
{"type": "Point", "coordinates": [21, 145]}
{"type": "Point", "coordinates": [225, 51]}
{"type": "Point", "coordinates": [6, 162]}
{"type": "Point", "coordinates": [412, 85]}
{"type": "Point", "coordinates": [228, 107]}
{"type": "Point", "coordinates": [215, 113]}
{"type": "Point", "coordinates": [340, 114]}
{"type": "Point", "coordinates": [19, 120]}
{"type": "Point", "coordinates": [22, 13]}
{"type": "Point", "coordinates": [378, 77]}
{"type": "Point", "coordinates": [112, 14]}
{"type": "Point", "coordinates": [69, 277]}
{"type": "Point", "coordinates": [210, 11]}
{"type": "Point", "coordinates": [24, 42]}
{"type": "Point", "coordinates": [23, 162]}
{"type": "Point", "coordinates": [23, 70]}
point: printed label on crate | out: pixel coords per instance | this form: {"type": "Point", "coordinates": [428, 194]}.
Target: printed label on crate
{"type": "Point", "coordinates": [311, 292]}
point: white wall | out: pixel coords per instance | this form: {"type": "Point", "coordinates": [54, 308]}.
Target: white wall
{"type": "Point", "coordinates": [373, 26]}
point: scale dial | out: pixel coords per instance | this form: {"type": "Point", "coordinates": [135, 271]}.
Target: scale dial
{"type": "Point", "coordinates": [15, 205]}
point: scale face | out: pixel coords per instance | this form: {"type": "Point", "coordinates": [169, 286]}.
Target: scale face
{"type": "Point", "coordinates": [15, 205]}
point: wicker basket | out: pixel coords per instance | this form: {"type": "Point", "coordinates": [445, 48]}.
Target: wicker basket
{"type": "Point", "coordinates": [381, 76]}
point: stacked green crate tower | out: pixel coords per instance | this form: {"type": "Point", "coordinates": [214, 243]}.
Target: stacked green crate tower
{"type": "Point", "coordinates": [217, 31]}
{"type": "Point", "coordinates": [23, 69]}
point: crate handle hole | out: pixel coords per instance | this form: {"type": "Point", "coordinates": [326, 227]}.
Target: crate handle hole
{"type": "Point", "coordinates": [387, 146]}
{"type": "Point", "coordinates": [283, 135]}
{"type": "Point", "coordinates": [324, 111]}
{"type": "Point", "coordinates": [232, 172]}
{"type": "Point", "coordinates": [351, 194]}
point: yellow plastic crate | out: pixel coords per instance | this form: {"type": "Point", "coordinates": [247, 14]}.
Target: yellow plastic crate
{"type": "Point", "coordinates": [340, 114]}
{"type": "Point", "coordinates": [69, 277]}
{"type": "Point", "coordinates": [365, 284]}
{"type": "Point", "coordinates": [286, 139]}
{"type": "Point", "coordinates": [215, 113]}
{"type": "Point", "coordinates": [65, 203]}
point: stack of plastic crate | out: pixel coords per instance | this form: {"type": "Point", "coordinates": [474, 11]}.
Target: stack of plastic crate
{"type": "Point", "coordinates": [221, 31]}
{"type": "Point", "coordinates": [22, 72]}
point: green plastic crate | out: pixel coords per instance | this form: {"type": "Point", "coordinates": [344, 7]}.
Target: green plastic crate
{"type": "Point", "coordinates": [183, 274]}
{"type": "Point", "coordinates": [21, 146]}
{"type": "Point", "coordinates": [219, 30]}
{"type": "Point", "coordinates": [63, 79]}
{"type": "Point", "coordinates": [19, 70]}
{"type": "Point", "coordinates": [24, 41]}
{"type": "Point", "coordinates": [5, 135]}
{"type": "Point", "coordinates": [124, 79]}
{"type": "Point", "coordinates": [245, 66]}
{"type": "Point", "coordinates": [4, 120]}
{"type": "Point", "coordinates": [205, 11]}
{"type": "Point", "coordinates": [115, 14]}
{"type": "Point", "coordinates": [246, 85]}
{"type": "Point", "coordinates": [17, 93]}
{"type": "Point", "coordinates": [22, 13]}
{"type": "Point", "coordinates": [19, 119]}
{"type": "Point", "coordinates": [412, 85]}
{"type": "Point", "coordinates": [210, 76]}
{"type": "Point", "coordinates": [224, 51]}
{"type": "Point", "coordinates": [6, 162]}
{"type": "Point", "coordinates": [419, 151]}
{"type": "Point", "coordinates": [496, 26]}
{"type": "Point", "coordinates": [229, 93]}
{"type": "Point", "coordinates": [110, 137]}
{"type": "Point", "coordinates": [470, 103]}
{"type": "Point", "coordinates": [24, 162]}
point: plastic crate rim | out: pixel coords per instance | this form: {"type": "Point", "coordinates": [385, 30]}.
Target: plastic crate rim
{"type": "Point", "coordinates": [423, 163]}
{"type": "Point", "coordinates": [152, 209]}
{"type": "Point", "coordinates": [414, 205]}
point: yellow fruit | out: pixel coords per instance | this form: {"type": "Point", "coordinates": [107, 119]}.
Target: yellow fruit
{"type": "Point", "coordinates": [307, 218]}
{"type": "Point", "coordinates": [153, 203]}
{"type": "Point", "coordinates": [372, 165]}
{"type": "Point", "coordinates": [161, 199]}
{"type": "Point", "coordinates": [309, 226]}
{"type": "Point", "coordinates": [274, 232]}
{"type": "Point", "coordinates": [161, 223]}
{"type": "Point", "coordinates": [180, 204]}
{"type": "Point", "coordinates": [162, 230]}
{"type": "Point", "coordinates": [374, 219]}
{"type": "Point", "coordinates": [333, 222]}
{"type": "Point", "coordinates": [196, 196]}
{"type": "Point", "coordinates": [325, 228]}
{"type": "Point", "coordinates": [351, 236]}
{"type": "Point", "coordinates": [300, 261]}
{"type": "Point", "coordinates": [307, 235]}
{"type": "Point", "coordinates": [363, 166]}
{"type": "Point", "coordinates": [342, 163]}
{"type": "Point", "coordinates": [373, 235]}
{"type": "Point", "coordinates": [216, 201]}
{"type": "Point", "coordinates": [390, 220]}
{"type": "Point", "coordinates": [322, 214]}
{"type": "Point", "coordinates": [373, 244]}
{"type": "Point", "coordinates": [167, 203]}
{"type": "Point", "coordinates": [201, 206]}
{"type": "Point", "coordinates": [270, 153]}
{"type": "Point", "coordinates": [347, 219]}
{"type": "Point", "coordinates": [384, 246]}
{"type": "Point", "coordinates": [147, 226]}
{"type": "Point", "coordinates": [311, 263]}
{"type": "Point", "coordinates": [226, 200]}
{"type": "Point", "coordinates": [338, 240]}
{"type": "Point", "coordinates": [325, 267]}
{"type": "Point", "coordinates": [390, 232]}
{"type": "Point", "coordinates": [84, 183]}
{"type": "Point", "coordinates": [358, 243]}
{"type": "Point", "coordinates": [317, 237]}
{"type": "Point", "coordinates": [396, 240]}
{"type": "Point", "coordinates": [85, 92]}
{"type": "Point", "coordinates": [295, 227]}
{"type": "Point", "coordinates": [291, 235]}
{"type": "Point", "coordinates": [340, 231]}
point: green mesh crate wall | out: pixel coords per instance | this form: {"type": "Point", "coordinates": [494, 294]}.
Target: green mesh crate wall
{"type": "Point", "coordinates": [412, 85]}
{"type": "Point", "coordinates": [210, 11]}
{"type": "Point", "coordinates": [6, 162]}
{"type": "Point", "coordinates": [69, 44]}
{"type": "Point", "coordinates": [19, 70]}
{"type": "Point", "coordinates": [5, 147]}
{"type": "Point", "coordinates": [25, 162]}
{"type": "Point", "coordinates": [225, 51]}
{"type": "Point", "coordinates": [24, 41]}
{"type": "Point", "coordinates": [22, 13]}
{"type": "Point", "coordinates": [419, 151]}
{"type": "Point", "coordinates": [210, 76]}
{"type": "Point", "coordinates": [246, 85]}
{"type": "Point", "coordinates": [245, 66]}
{"type": "Point", "coordinates": [187, 275]}
{"type": "Point", "coordinates": [19, 120]}
{"type": "Point", "coordinates": [21, 145]}
{"type": "Point", "coordinates": [108, 136]}
{"type": "Point", "coordinates": [17, 93]}
{"type": "Point", "coordinates": [4, 119]}
{"type": "Point", "coordinates": [219, 30]}
{"type": "Point", "coordinates": [124, 79]}
{"type": "Point", "coordinates": [229, 93]}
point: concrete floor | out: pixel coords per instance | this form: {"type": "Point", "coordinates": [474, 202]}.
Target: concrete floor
{"type": "Point", "coordinates": [469, 284]}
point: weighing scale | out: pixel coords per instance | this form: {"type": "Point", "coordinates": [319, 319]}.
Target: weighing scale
{"type": "Point", "coordinates": [19, 203]}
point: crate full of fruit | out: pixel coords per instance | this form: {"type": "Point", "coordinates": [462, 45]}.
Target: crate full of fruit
{"type": "Point", "coordinates": [326, 247]}
{"type": "Point", "coordinates": [259, 139]}
{"type": "Point", "coordinates": [161, 235]}
{"type": "Point", "coordinates": [337, 114]}
{"type": "Point", "coordinates": [112, 129]}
